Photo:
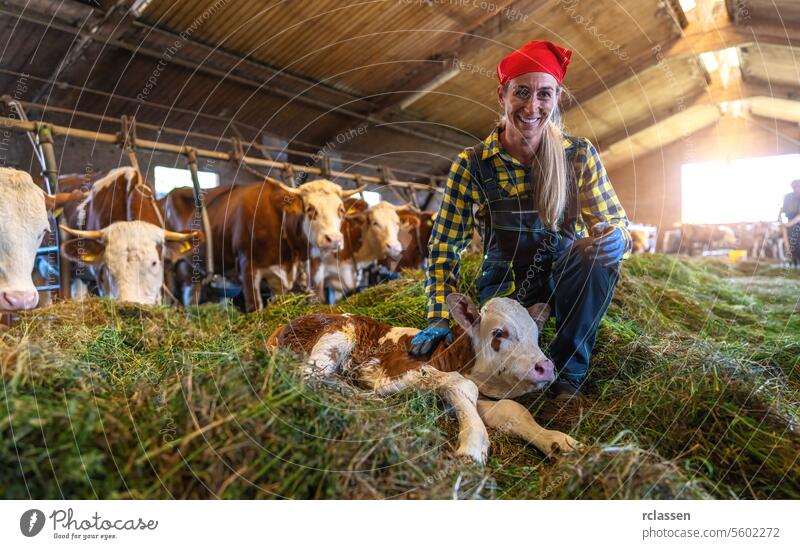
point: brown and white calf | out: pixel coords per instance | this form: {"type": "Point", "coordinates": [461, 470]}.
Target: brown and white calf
{"type": "Point", "coordinates": [23, 224]}
{"type": "Point", "coordinates": [370, 234]}
{"type": "Point", "coordinates": [495, 354]}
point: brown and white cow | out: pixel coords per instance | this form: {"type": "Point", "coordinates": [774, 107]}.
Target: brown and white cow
{"type": "Point", "coordinates": [414, 237]}
{"type": "Point", "coordinates": [370, 234]}
{"type": "Point", "coordinates": [23, 218]}
{"type": "Point", "coordinates": [122, 237]}
{"type": "Point", "coordinates": [495, 353]}
{"type": "Point", "coordinates": [267, 230]}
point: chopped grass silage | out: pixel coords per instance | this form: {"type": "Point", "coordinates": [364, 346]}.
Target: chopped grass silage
{"type": "Point", "coordinates": [694, 392]}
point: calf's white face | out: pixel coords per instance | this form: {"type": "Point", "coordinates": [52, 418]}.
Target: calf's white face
{"type": "Point", "coordinates": [130, 253]}
{"type": "Point", "coordinates": [23, 223]}
{"type": "Point", "coordinates": [505, 338]}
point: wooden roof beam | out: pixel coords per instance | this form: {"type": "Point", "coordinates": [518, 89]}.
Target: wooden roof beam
{"type": "Point", "coordinates": [693, 43]}
{"type": "Point", "coordinates": [438, 68]}
{"type": "Point", "coordinates": [737, 90]}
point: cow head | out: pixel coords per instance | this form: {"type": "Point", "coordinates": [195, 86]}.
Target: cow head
{"type": "Point", "coordinates": [505, 338]}
{"type": "Point", "coordinates": [381, 226]}
{"type": "Point", "coordinates": [23, 224]}
{"type": "Point", "coordinates": [321, 204]}
{"type": "Point", "coordinates": [128, 257]}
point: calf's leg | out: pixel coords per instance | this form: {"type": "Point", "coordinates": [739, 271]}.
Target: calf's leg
{"type": "Point", "coordinates": [457, 391]}
{"type": "Point", "coordinates": [513, 418]}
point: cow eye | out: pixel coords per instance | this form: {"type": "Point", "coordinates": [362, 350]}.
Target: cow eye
{"type": "Point", "coordinates": [499, 333]}
{"type": "Point", "coordinates": [154, 263]}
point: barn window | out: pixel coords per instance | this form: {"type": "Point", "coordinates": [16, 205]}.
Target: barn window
{"type": "Point", "coordinates": [370, 197]}
{"type": "Point", "coordinates": [746, 190]}
{"type": "Point", "coordinates": [170, 178]}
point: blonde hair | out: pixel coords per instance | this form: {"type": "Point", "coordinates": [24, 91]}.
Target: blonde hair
{"type": "Point", "coordinates": [549, 168]}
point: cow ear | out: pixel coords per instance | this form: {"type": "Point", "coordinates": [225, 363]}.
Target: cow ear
{"type": "Point", "coordinates": [290, 203]}
{"type": "Point", "coordinates": [409, 220]}
{"type": "Point", "coordinates": [539, 312]}
{"type": "Point", "coordinates": [463, 310]}
{"type": "Point", "coordinates": [175, 251]}
{"type": "Point", "coordinates": [353, 206]}
{"type": "Point", "coordinates": [84, 250]}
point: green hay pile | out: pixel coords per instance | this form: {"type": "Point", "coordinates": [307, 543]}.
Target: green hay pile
{"type": "Point", "coordinates": [694, 392]}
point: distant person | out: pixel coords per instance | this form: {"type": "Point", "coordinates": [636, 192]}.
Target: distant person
{"type": "Point", "coordinates": [791, 207]}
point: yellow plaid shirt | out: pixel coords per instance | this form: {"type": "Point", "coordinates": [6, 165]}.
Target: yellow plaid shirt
{"type": "Point", "coordinates": [455, 222]}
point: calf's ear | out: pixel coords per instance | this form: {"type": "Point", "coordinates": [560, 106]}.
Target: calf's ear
{"type": "Point", "coordinates": [84, 250]}
{"type": "Point", "coordinates": [463, 310]}
{"type": "Point", "coordinates": [539, 312]}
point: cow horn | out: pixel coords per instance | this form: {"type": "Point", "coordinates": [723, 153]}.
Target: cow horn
{"type": "Point", "coordinates": [287, 188]}
{"type": "Point", "coordinates": [351, 192]}
{"type": "Point", "coordinates": [82, 234]}
{"type": "Point", "coordinates": [172, 236]}
{"type": "Point", "coordinates": [406, 206]}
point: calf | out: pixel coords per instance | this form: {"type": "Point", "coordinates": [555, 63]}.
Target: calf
{"type": "Point", "coordinates": [370, 234]}
{"type": "Point", "coordinates": [495, 353]}
{"type": "Point", "coordinates": [23, 218]}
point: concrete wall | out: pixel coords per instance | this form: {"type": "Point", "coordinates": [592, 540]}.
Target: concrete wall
{"type": "Point", "coordinates": [650, 186]}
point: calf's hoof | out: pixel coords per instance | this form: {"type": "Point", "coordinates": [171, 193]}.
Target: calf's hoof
{"type": "Point", "coordinates": [556, 442]}
{"type": "Point", "coordinates": [475, 450]}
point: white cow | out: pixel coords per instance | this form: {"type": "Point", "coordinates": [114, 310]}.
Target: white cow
{"type": "Point", "coordinates": [23, 224]}
{"type": "Point", "coordinates": [129, 257]}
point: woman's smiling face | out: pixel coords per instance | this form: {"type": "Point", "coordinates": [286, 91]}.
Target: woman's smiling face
{"type": "Point", "coordinates": [528, 101]}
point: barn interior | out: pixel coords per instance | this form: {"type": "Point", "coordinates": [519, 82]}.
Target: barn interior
{"type": "Point", "coordinates": [405, 85]}
{"type": "Point", "coordinates": [693, 105]}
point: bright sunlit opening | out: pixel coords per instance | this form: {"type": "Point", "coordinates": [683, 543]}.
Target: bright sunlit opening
{"type": "Point", "coordinates": [170, 178]}
{"type": "Point", "coordinates": [370, 197]}
{"type": "Point", "coordinates": [746, 190]}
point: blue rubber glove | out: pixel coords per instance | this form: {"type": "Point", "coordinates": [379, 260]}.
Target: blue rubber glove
{"type": "Point", "coordinates": [427, 340]}
{"type": "Point", "coordinates": [610, 247]}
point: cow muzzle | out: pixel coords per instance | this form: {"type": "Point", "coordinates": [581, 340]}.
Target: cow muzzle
{"type": "Point", "coordinates": [394, 251]}
{"type": "Point", "coordinates": [18, 300]}
{"type": "Point", "coordinates": [331, 242]}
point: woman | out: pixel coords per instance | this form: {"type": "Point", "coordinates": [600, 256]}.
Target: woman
{"type": "Point", "coordinates": [535, 192]}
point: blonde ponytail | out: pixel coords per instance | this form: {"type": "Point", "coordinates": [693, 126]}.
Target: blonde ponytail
{"type": "Point", "coordinates": [550, 173]}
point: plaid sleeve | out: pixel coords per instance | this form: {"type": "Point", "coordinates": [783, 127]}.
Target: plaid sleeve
{"type": "Point", "coordinates": [451, 234]}
{"type": "Point", "coordinates": [598, 201]}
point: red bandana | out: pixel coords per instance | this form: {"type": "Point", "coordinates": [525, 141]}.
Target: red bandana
{"type": "Point", "coordinates": [535, 56]}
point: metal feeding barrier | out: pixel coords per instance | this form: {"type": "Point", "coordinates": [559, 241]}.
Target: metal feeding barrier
{"type": "Point", "coordinates": [42, 134]}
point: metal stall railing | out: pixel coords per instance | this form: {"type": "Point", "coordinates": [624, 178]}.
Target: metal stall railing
{"type": "Point", "coordinates": [42, 135]}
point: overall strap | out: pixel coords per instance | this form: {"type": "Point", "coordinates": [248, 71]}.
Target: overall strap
{"type": "Point", "coordinates": [481, 171]}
